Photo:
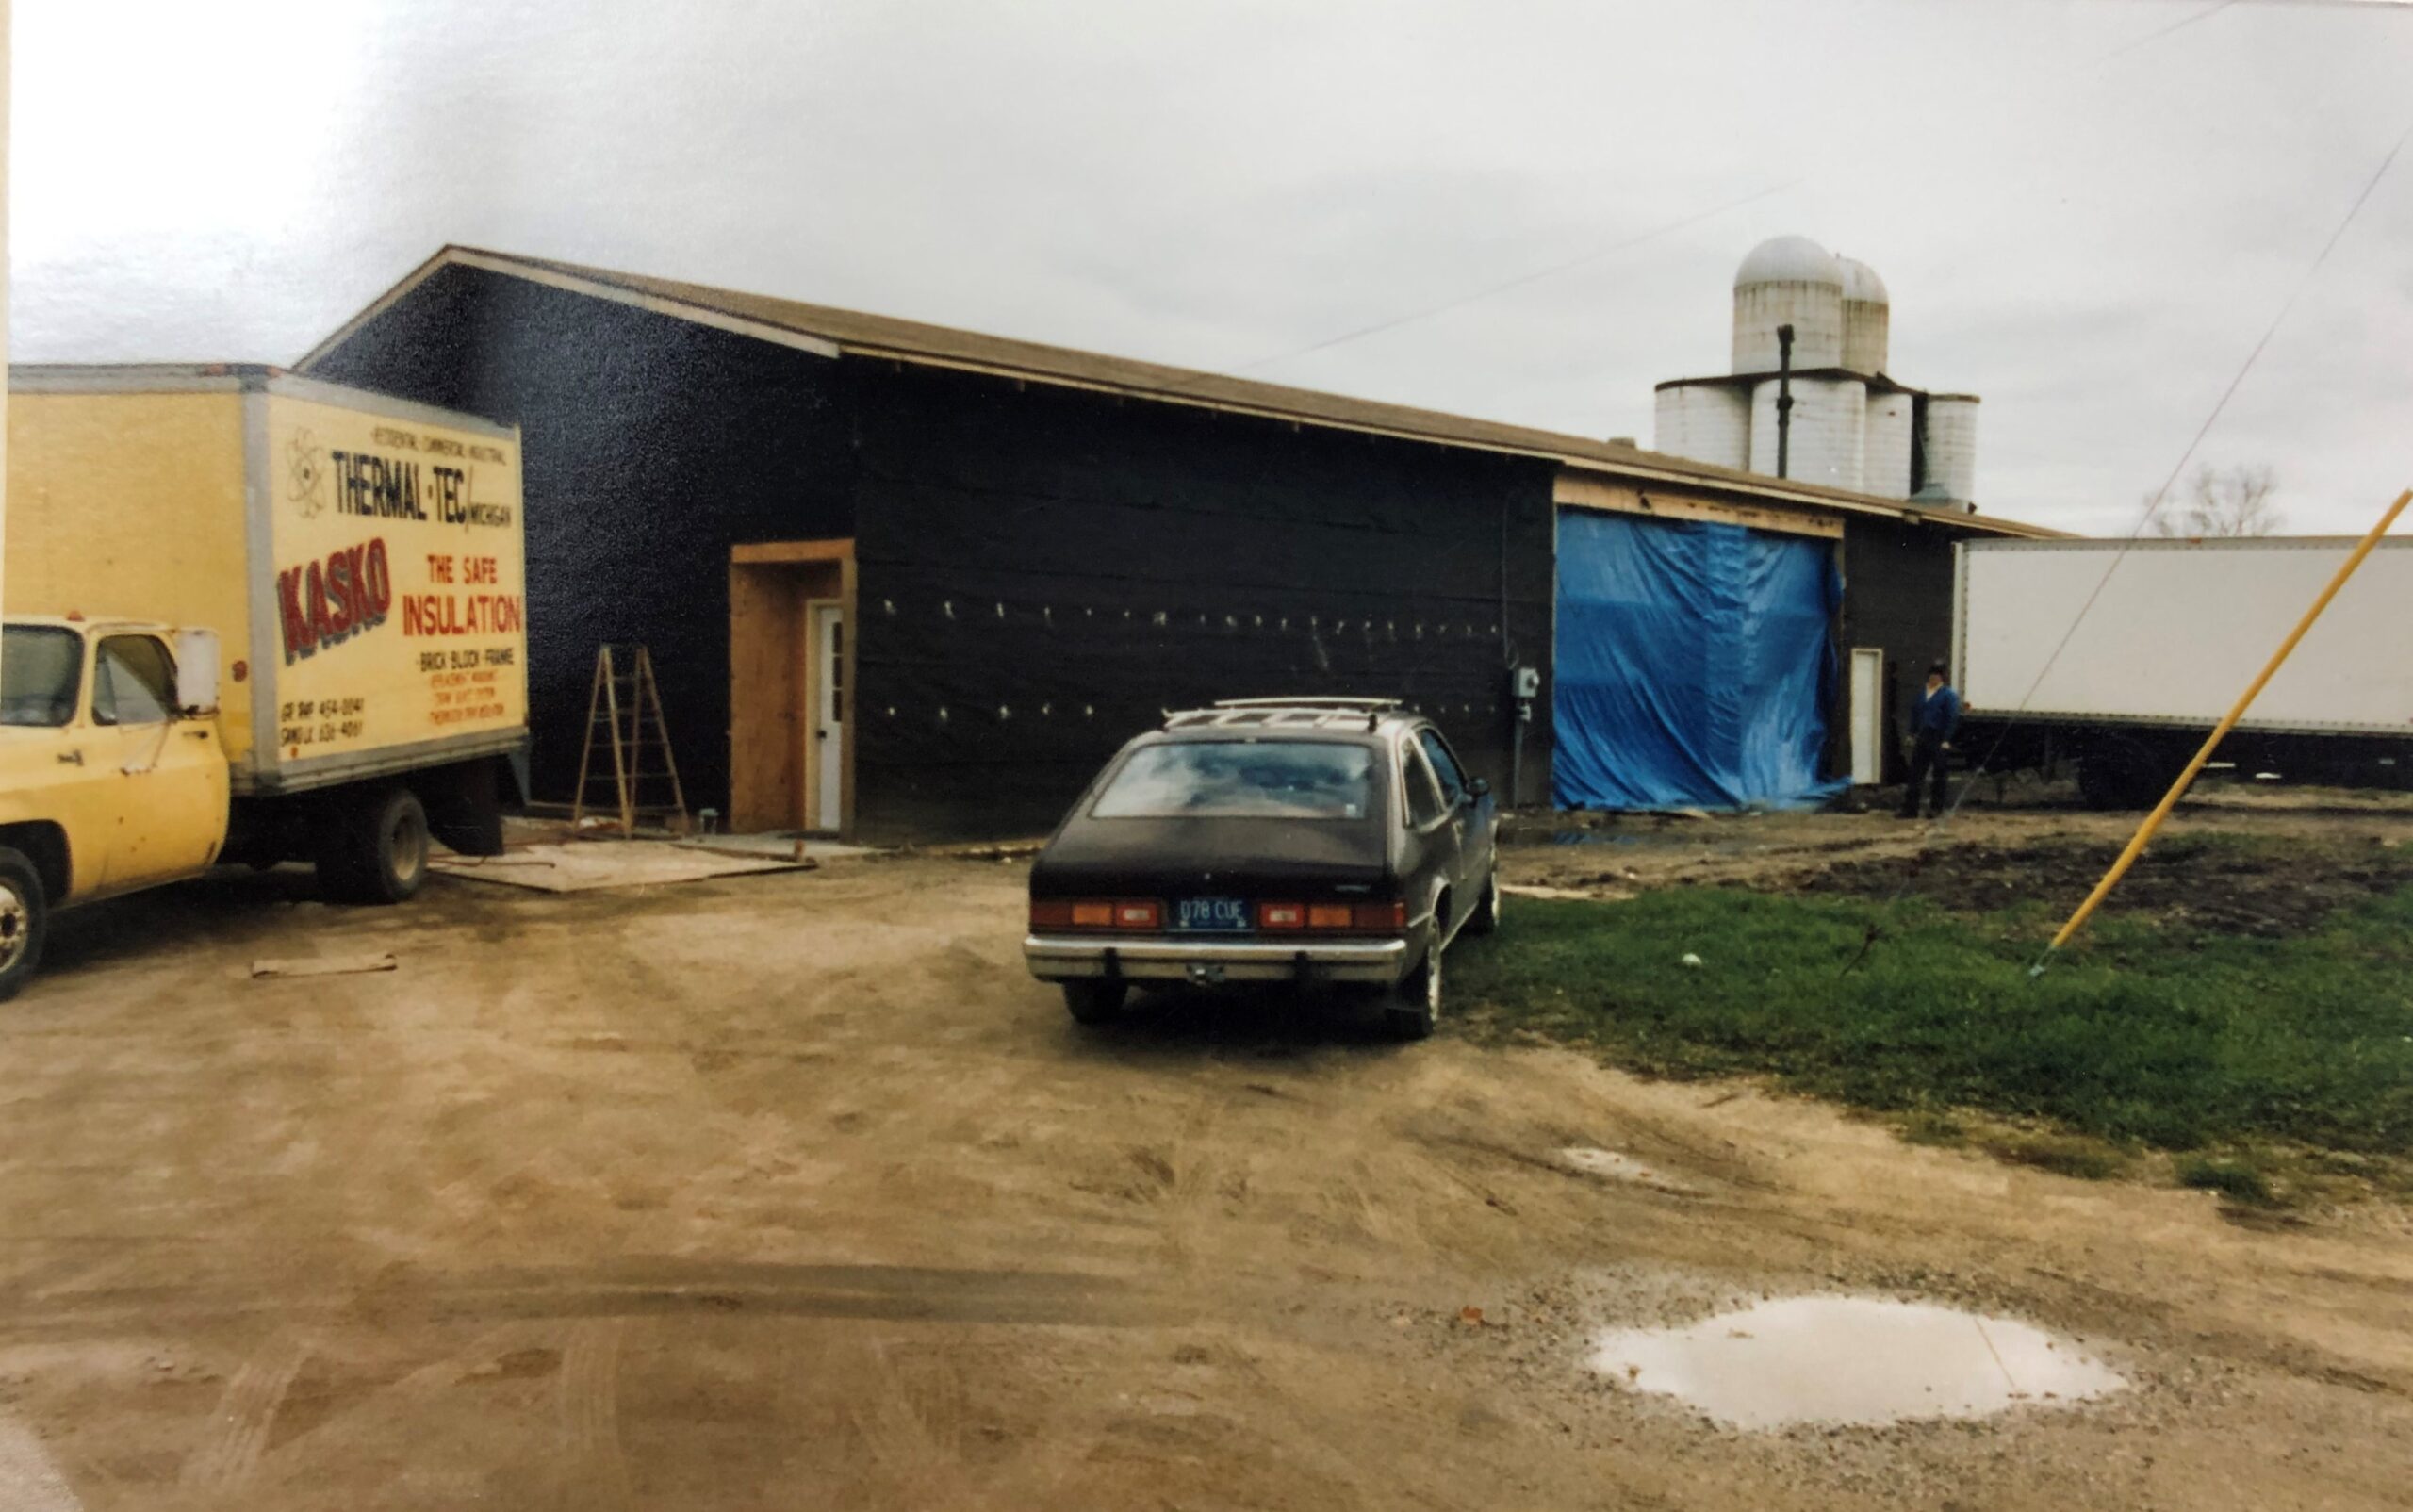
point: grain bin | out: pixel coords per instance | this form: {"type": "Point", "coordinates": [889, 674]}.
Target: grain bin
{"type": "Point", "coordinates": [1886, 451]}
{"type": "Point", "coordinates": [1706, 422]}
{"type": "Point", "coordinates": [1952, 445]}
{"type": "Point", "coordinates": [1867, 316]}
{"type": "Point", "coordinates": [1829, 417]}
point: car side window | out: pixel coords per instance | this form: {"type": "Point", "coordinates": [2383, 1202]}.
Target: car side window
{"type": "Point", "coordinates": [1423, 793]}
{"type": "Point", "coordinates": [1445, 766]}
{"type": "Point", "coordinates": [134, 682]}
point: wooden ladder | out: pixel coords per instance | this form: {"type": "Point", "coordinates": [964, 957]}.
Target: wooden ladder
{"type": "Point", "coordinates": [633, 726]}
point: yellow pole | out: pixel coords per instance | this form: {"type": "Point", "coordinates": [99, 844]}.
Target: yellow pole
{"type": "Point", "coordinates": [2170, 800]}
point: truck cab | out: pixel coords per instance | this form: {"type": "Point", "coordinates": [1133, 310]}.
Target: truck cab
{"type": "Point", "coordinates": [112, 773]}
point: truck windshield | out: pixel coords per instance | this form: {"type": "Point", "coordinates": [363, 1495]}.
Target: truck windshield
{"type": "Point", "coordinates": [1241, 780]}
{"type": "Point", "coordinates": [42, 668]}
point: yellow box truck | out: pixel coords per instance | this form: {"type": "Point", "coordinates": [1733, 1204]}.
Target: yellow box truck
{"type": "Point", "coordinates": [251, 617]}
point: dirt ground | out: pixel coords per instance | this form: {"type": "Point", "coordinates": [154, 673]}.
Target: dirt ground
{"type": "Point", "coordinates": [2297, 856]}
{"type": "Point", "coordinates": [794, 1192]}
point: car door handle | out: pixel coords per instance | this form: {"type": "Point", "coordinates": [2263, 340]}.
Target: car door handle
{"type": "Point", "coordinates": [196, 734]}
{"type": "Point", "coordinates": [72, 757]}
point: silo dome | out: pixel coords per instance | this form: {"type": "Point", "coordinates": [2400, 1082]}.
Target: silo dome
{"type": "Point", "coordinates": [1790, 260]}
{"type": "Point", "coordinates": [1862, 283]}
{"type": "Point", "coordinates": [1789, 281]}
{"type": "Point", "coordinates": [1867, 317]}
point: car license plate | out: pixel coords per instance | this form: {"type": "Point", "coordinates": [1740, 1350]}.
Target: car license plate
{"type": "Point", "coordinates": [1226, 914]}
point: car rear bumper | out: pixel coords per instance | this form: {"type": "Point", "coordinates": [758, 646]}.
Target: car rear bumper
{"type": "Point", "coordinates": [1077, 958]}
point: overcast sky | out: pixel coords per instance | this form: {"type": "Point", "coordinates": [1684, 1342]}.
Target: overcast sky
{"type": "Point", "coordinates": [2088, 211]}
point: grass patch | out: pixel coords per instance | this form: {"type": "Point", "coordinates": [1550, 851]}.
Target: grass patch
{"type": "Point", "coordinates": [2068, 1154]}
{"type": "Point", "coordinates": [2136, 1036]}
{"type": "Point", "coordinates": [1925, 1125]}
{"type": "Point", "coordinates": [2238, 1180]}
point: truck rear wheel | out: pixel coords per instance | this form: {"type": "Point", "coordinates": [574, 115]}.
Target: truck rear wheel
{"type": "Point", "coordinates": [375, 849]}
{"type": "Point", "coordinates": [24, 921]}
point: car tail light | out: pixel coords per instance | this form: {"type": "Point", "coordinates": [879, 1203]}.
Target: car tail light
{"type": "Point", "coordinates": [1382, 918]}
{"type": "Point", "coordinates": [1331, 916]}
{"type": "Point", "coordinates": [1096, 914]}
{"type": "Point", "coordinates": [1281, 915]}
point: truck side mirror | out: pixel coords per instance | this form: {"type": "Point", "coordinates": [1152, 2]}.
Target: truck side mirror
{"type": "Point", "coordinates": [196, 672]}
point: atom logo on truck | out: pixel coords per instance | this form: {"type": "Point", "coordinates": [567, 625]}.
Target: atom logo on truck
{"type": "Point", "coordinates": [324, 603]}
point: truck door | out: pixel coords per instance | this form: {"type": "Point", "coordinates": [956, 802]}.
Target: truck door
{"type": "Point", "coordinates": [168, 774]}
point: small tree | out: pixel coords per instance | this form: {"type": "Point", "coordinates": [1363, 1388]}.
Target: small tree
{"type": "Point", "coordinates": [2220, 503]}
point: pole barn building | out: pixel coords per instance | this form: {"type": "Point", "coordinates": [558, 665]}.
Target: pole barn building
{"type": "Point", "coordinates": [906, 582]}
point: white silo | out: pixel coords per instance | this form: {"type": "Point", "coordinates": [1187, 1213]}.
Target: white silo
{"type": "Point", "coordinates": [1885, 455]}
{"type": "Point", "coordinates": [1952, 445]}
{"type": "Point", "coordinates": [1827, 434]}
{"type": "Point", "coordinates": [1707, 422]}
{"type": "Point", "coordinates": [1788, 281]}
{"type": "Point", "coordinates": [1867, 316]}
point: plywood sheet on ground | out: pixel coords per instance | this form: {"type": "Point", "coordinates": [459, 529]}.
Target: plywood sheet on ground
{"type": "Point", "coordinates": [583, 867]}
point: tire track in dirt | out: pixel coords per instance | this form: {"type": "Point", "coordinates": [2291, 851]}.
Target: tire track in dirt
{"type": "Point", "coordinates": [246, 1411]}
{"type": "Point", "coordinates": [385, 1414]}
{"type": "Point", "coordinates": [904, 1294]}
{"type": "Point", "coordinates": [595, 1473]}
{"type": "Point", "coordinates": [907, 1408]}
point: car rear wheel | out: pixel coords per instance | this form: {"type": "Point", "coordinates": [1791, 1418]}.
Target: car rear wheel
{"type": "Point", "coordinates": [1096, 1002]}
{"type": "Point", "coordinates": [1486, 916]}
{"type": "Point", "coordinates": [1415, 1004]}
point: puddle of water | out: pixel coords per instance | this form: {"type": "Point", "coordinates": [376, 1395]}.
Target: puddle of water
{"type": "Point", "coordinates": [1615, 1166]}
{"type": "Point", "coordinates": [1857, 1360]}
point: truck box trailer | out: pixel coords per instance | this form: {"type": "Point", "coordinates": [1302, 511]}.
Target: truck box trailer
{"type": "Point", "coordinates": [347, 569]}
{"type": "Point", "coordinates": [2123, 655]}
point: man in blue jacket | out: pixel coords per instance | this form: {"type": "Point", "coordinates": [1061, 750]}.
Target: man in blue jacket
{"type": "Point", "coordinates": [1932, 727]}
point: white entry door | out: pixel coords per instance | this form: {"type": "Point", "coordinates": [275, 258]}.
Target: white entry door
{"type": "Point", "coordinates": [829, 713]}
{"type": "Point", "coordinates": [1867, 717]}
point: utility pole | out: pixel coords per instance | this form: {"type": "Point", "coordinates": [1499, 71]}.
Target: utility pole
{"type": "Point", "coordinates": [1783, 398]}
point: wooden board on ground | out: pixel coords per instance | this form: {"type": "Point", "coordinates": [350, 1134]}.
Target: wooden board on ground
{"type": "Point", "coordinates": [586, 866]}
{"type": "Point", "coordinates": [324, 965]}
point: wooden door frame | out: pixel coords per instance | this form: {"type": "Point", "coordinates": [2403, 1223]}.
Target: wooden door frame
{"type": "Point", "coordinates": [795, 573]}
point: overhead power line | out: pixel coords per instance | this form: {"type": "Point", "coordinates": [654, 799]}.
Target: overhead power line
{"type": "Point", "coordinates": [1568, 265]}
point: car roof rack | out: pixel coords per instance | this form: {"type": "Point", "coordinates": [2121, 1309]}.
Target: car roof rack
{"type": "Point", "coordinates": [1284, 713]}
{"type": "Point", "coordinates": [1310, 701]}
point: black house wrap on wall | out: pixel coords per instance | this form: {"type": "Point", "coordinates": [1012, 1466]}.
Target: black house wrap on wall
{"type": "Point", "coordinates": [1898, 596]}
{"type": "Point", "coordinates": [1049, 567]}
{"type": "Point", "coordinates": [1043, 570]}
{"type": "Point", "coordinates": [650, 444]}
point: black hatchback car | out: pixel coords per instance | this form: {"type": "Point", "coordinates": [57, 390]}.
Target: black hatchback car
{"type": "Point", "coordinates": [1310, 840]}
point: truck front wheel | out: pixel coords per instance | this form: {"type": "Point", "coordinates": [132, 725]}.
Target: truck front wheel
{"type": "Point", "coordinates": [375, 849]}
{"type": "Point", "coordinates": [24, 921]}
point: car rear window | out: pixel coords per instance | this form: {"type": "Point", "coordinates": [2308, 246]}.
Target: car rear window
{"type": "Point", "coordinates": [1241, 780]}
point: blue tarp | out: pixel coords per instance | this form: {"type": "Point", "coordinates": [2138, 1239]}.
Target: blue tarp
{"type": "Point", "coordinates": [1694, 663]}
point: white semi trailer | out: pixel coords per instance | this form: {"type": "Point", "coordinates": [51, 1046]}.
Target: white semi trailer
{"type": "Point", "coordinates": [2121, 656]}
